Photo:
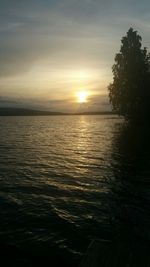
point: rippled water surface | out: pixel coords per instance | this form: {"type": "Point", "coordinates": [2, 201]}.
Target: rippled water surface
{"type": "Point", "coordinates": [55, 175]}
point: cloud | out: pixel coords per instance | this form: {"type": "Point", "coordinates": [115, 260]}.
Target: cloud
{"type": "Point", "coordinates": [56, 36]}
{"type": "Point", "coordinates": [95, 103]}
{"type": "Point", "coordinates": [58, 31]}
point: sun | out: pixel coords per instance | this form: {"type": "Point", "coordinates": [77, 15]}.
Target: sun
{"type": "Point", "coordinates": [82, 97]}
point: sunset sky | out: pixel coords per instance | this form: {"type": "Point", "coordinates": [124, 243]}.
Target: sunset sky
{"type": "Point", "coordinates": [51, 50]}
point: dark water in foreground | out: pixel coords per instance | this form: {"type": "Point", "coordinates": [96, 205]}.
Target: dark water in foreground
{"type": "Point", "coordinates": [65, 180]}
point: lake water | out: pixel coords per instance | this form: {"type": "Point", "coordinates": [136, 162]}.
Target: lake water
{"type": "Point", "coordinates": [57, 180]}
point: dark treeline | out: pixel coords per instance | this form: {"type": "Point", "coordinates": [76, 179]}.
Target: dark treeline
{"type": "Point", "coordinates": [25, 112]}
{"type": "Point", "coordinates": [129, 93]}
{"type": "Point", "coordinates": [31, 112]}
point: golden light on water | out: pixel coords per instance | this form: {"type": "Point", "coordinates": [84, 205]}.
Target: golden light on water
{"type": "Point", "coordinates": [82, 97]}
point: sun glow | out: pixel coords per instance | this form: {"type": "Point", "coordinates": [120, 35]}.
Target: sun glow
{"type": "Point", "coordinates": [82, 97]}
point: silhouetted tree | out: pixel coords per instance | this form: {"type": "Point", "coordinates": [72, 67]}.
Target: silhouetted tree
{"type": "Point", "coordinates": [129, 93]}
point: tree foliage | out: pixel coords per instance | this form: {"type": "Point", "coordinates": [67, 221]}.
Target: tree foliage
{"type": "Point", "coordinates": [129, 93]}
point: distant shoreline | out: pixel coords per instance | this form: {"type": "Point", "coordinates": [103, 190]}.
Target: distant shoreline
{"type": "Point", "coordinates": [30, 112]}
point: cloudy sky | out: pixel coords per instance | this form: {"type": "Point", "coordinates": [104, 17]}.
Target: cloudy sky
{"type": "Point", "coordinates": [52, 49]}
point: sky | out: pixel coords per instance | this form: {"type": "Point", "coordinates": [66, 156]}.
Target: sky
{"type": "Point", "coordinates": [50, 50]}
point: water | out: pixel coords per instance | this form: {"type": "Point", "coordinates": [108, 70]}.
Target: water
{"type": "Point", "coordinates": [57, 180]}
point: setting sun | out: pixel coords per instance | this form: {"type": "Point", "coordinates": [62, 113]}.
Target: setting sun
{"type": "Point", "coordinates": [82, 97]}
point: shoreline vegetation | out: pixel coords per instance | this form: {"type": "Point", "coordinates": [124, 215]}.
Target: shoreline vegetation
{"type": "Point", "coordinates": [32, 112]}
{"type": "Point", "coordinates": [129, 92]}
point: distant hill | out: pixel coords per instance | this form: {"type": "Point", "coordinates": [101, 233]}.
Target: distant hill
{"type": "Point", "coordinates": [31, 112]}
{"type": "Point", "coordinates": [25, 112]}
{"type": "Point", "coordinates": [96, 113]}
